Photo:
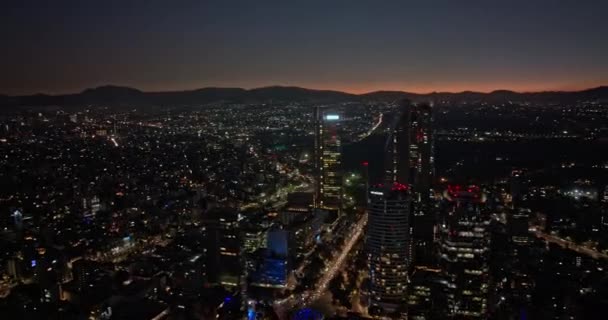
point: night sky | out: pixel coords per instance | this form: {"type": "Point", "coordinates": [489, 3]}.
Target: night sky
{"type": "Point", "coordinates": [356, 46]}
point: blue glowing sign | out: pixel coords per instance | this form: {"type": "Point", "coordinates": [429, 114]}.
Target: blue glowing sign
{"type": "Point", "coordinates": [308, 314]}
{"type": "Point", "coordinates": [332, 117]}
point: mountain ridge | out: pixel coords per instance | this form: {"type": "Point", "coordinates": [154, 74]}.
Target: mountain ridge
{"type": "Point", "coordinates": [122, 95]}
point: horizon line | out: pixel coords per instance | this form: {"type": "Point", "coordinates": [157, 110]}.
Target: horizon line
{"type": "Point", "coordinates": [353, 92]}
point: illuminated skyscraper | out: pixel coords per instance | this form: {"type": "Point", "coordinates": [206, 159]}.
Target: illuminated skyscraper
{"type": "Point", "coordinates": [328, 162]}
{"type": "Point", "coordinates": [409, 160]}
{"type": "Point", "coordinates": [409, 149]}
{"type": "Point", "coordinates": [396, 158]}
{"type": "Point", "coordinates": [465, 245]}
{"type": "Point", "coordinates": [422, 162]}
{"type": "Point", "coordinates": [387, 245]}
{"type": "Point", "coordinates": [388, 241]}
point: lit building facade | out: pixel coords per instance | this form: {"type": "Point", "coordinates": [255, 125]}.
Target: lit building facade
{"type": "Point", "coordinates": [252, 239]}
{"type": "Point", "coordinates": [273, 268]}
{"type": "Point", "coordinates": [426, 295]}
{"type": "Point", "coordinates": [387, 245]}
{"type": "Point", "coordinates": [464, 252]}
{"type": "Point", "coordinates": [328, 160]}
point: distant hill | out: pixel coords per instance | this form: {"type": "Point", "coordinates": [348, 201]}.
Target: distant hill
{"type": "Point", "coordinates": [118, 96]}
{"type": "Point", "coordinates": [389, 95]}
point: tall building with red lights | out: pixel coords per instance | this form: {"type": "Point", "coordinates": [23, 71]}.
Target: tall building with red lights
{"type": "Point", "coordinates": [388, 238]}
{"type": "Point", "coordinates": [409, 160]}
{"type": "Point", "coordinates": [409, 149]}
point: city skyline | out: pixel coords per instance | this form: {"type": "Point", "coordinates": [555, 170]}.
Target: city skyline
{"type": "Point", "coordinates": [203, 205]}
{"type": "Point", "coordinates": [355, 47]}
{"type": "Point", "coordinates": [317, 160]}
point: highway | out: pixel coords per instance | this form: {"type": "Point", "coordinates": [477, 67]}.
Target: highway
{"type": "Point", "coordinates": [571, 245]}
{"type": "Point", "coordinates": [163, 315]}
{"type": "Point", "coordinates": [372, 129]}
{"type": "Point", "coordinates": [338, 263]}
{"type": "Point", "coordinates": [291, 281]}
{"type": "Point", "coordinates": [124, 252]}
{"type": "Point", "coordinates": [282, 306]}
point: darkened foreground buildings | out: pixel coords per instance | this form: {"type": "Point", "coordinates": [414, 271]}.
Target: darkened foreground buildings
{"type": "Point", "coordinates": [223, 252]}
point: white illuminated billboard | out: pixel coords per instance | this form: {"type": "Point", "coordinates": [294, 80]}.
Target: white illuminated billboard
{"type": "Point", "coordinates": [332, 117]}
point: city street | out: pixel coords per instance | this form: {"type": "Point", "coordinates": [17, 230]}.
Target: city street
{"type": "Point", "coordinates": [307, 297]}
{"type": "Point", "coordinates": [571, 245]}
